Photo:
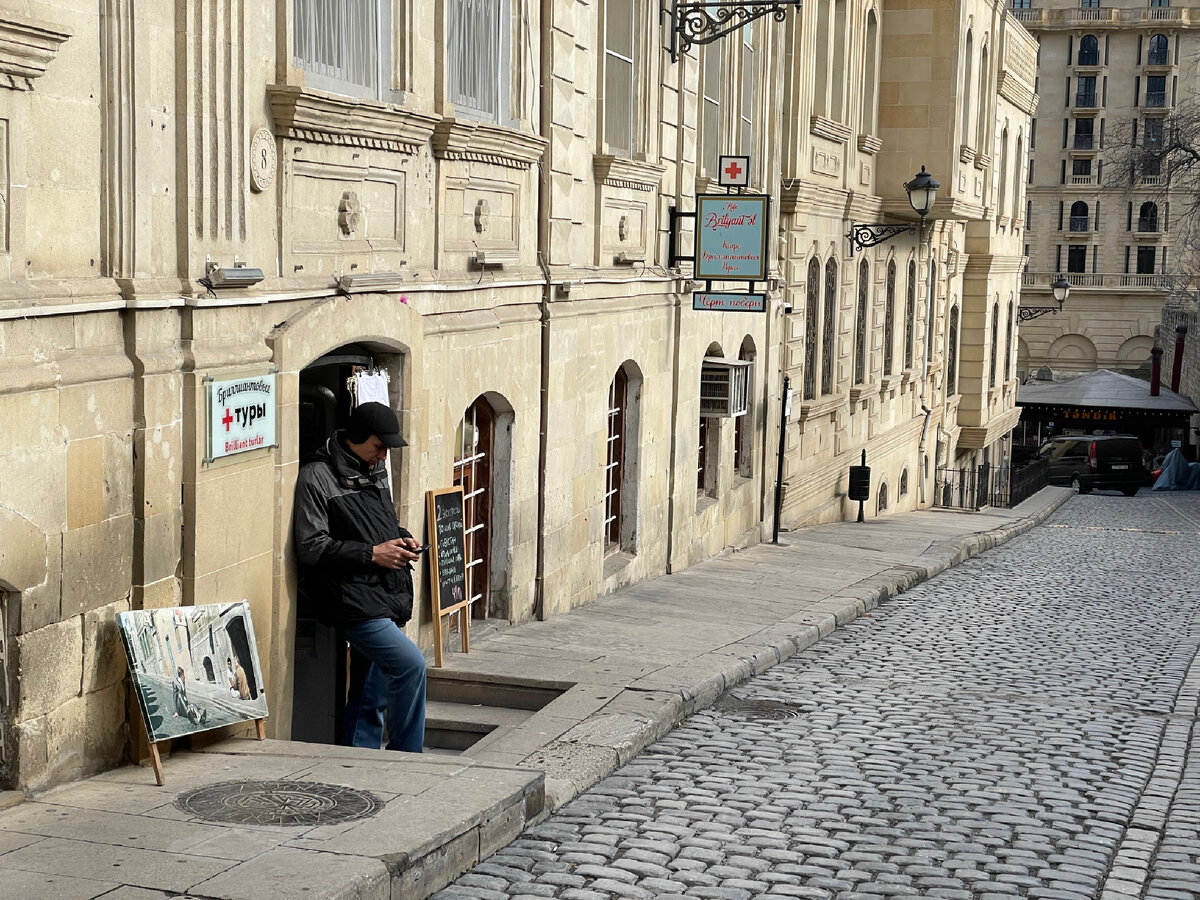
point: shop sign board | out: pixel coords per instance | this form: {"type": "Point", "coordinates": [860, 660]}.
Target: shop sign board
{"type": "Point", "coordinates": [729, 302]}
{"type": "Point", "coordinates": [241, 415]}
{"type": "Point", "coordinates": [731, 237]}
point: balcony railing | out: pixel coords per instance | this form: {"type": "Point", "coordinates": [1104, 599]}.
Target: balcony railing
{"type": "Point", "coordinates": [1095, 280]}
{"type": "Point", "coordinates": [1147, 225]}
{"type": "Point", "coordinates": [1083, 179]}
{"type": "Point", "coordinates": [1083, 141]}
{"type": "Point", "coordinates": [1085, 101]}
{"type": "Point", "coordinates": [1156, 59]}
{"type": "Point", "coordinates": [1160, 14]}
{"type": "Point", "coordinates": [1156, 99]}
{"type": "Point", "coordinates": [1081, 223]}
{"type": "Point", "coordinates": [1104, 17]}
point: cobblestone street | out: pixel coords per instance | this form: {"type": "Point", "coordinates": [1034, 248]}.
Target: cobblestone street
{"type": "Point", "coordinates": [1023, 725]}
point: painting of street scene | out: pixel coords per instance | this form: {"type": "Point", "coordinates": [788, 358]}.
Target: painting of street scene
{"type": "Point", "coordinates": [193, 667]}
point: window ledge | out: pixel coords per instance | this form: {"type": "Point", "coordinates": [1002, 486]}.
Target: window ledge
{"type": "Point", "coordinates": [27, 46]}
{"type": "Point", "coordinates": [623, 172]}
{"type": "Point", "coordinates": [869, 144]}
{"type": "Point", "coordinates": [480, 142]}
{"type": "Point", "coordinates": [862, 392]}
{"type": "Point", "coordinates": [318, 117]}
{"type": "Point", "coordinates": [617, 561]}
{"type": "Point", "coordinates": [827, 128]}
{"type": "Point", "coordinates": [822, 406]}
{"type": "Point", "coordinates": [889, 382]}
{"type": "Point", "coordinates": [1150, 237]}
{"type": "Point", "coordinates": [703, 502]}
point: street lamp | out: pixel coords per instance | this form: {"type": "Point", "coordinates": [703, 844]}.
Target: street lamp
{"type": "Point", "coordinates": [1060, 288]}
{"type": "Point", "coordinates": [922, 192]}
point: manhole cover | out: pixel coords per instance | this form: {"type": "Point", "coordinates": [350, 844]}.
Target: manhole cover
{"type": "Point", "coordinates": [278, 803]}
{"type": "Point", "coordinates": [755, 709]}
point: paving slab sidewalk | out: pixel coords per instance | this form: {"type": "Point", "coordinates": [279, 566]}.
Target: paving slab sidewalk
{"type": "Point", "coordinates": [631, 666]}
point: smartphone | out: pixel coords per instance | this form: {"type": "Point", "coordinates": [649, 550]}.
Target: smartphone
{"type": "Point", "coordinates": [422, 548]}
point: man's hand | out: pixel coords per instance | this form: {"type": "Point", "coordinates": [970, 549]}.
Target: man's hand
{"type": "Point", "coordinates": [395, 554]}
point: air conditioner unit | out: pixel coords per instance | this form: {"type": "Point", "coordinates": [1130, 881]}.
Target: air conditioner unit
{"type": "Point", "coordinates": [724, 388]}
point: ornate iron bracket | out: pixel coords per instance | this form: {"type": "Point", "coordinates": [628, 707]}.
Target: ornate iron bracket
{"type": "Point", "coordinates": [1025, 313]}
{"type": "Point", "coordinates": [863, 236]}
{"type": "Point", "coordinates": [709, 20]}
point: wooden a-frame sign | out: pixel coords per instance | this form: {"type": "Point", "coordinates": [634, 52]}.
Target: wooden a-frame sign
{"type": "Point", "coordinates": [448, 592]}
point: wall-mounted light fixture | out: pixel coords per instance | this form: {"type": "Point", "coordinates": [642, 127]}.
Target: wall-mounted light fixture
{"type": "Point", "coordinates": [365, 282]}
{"type": "Point", "coordinates": [494, 259]}
{"type": "Point", "coordinates": [235, 276]}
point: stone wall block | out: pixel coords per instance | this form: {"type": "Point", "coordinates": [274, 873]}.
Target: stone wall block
{"type": "Point", "coordinates": [31, 754]}
{"type": "Point", "coordinates": [104, 661]}
{"type": "Point", "coordinates": [49, 668]}
{"type": "Point", "coordinates": [97, 407]}
{"type": "Point", "coordinates": [96, 564]}
{"type": "Point", "coordinates": [86, 484]}
{"type": "Point", "coordinates": [156, 546]}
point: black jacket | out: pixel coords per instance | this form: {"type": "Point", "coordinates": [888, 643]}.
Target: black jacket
{"type": "Point", "coordinates": [342, 511]}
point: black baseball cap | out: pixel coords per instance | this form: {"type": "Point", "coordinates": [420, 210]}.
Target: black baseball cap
{"type": "Point", "coordinates": [374, 419]}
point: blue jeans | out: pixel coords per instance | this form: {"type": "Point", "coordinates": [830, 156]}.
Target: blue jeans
{"type": "Point", "coordinates": [397, 673]}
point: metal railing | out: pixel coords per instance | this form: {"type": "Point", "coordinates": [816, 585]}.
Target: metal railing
{"type": "Point", "coordinates": [974, 487]}
{"type": "Point", "coordinates": [1156, 99]}
{"type": "Point", "coordinates": [1081, 223]}
{"type": "Point", "coordinates": [1083, 141]}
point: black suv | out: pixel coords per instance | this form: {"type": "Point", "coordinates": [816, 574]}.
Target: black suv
{"type": "Point", "coordinates": [1090, 462]}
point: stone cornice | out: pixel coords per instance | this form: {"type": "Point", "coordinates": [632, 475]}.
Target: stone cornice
{"type": "Point", "coordinates": [619, 171]}
{"type": "Point", "coordinates": [869, 144]}
{"type": "Point", "coordinates": [318, 117]}
{"type": "Point", "coordinates": [26, 47]}
{"type": "Point", "coordinates": [479, 142]}
{"type": "Point", "coordinates": [827, 128]}
{"type": "Point", "coordinates": [1018, 93]}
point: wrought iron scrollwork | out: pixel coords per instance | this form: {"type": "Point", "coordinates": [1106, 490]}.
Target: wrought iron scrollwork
{"type": "Point", "coordinates": [862, 236]}
{"type": "Point", "coordinates": [1025, 313]}
{"type": "Point", "coordinates": [704, 22]}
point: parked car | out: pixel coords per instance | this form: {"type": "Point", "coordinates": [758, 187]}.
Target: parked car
{"type": "Point", "coordinates": [1096, 462]}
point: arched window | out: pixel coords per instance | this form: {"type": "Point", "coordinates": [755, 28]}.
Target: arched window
{"type": "Point", "coordinates": [1148, 217]}
{"type": "Point", "coordinates": [1157, 52]}
{"type": "Point", "coordinates": [985, 135]}
{"type": "Point", "coordinates": [743, 425]}
{"type": "Point", "coordinates": [995, 344]}
{"type": "Point", "coordinates": [882, 498]}
{"type": "Point", "coordinates": [621, 459]}
{"type": "Point", "coordinates": [1008, 343]}
{"type": "Point", "coordinates": [870, 73]}
{"type": "Point", "coordinates": [829, 337]}
{"type": "Point", "coordinates": [889, 320]}
{"type": "Point", "coordinates": [860, 323]}
{"type": "Point", "coordinates": [910, 313]}
{"type": "Point", "coordinates": [812, 324]}
{"type": "Point", "coordinates": [1089, 49]}
{"type": "Point", "coordinates": [708, 453]}
{"type": "Point", "coordinates": [952, 354]}
{"type": "Point", "coordinates": [968, 61]}
{"type": "Point", "coordinates": [904, 483]}
{"type": "Point", "coordinates": [1002, 163]}
{"type": "Point", "coordinates": [1079, 216]}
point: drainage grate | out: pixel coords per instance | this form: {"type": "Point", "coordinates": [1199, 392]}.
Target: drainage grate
{"type": "Point", "coordinates": [756, 709]}
{"type": "Point", "coordinates": [278, 803]}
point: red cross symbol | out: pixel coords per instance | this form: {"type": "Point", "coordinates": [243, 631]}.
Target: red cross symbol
{"type": "Point", "coordinates": [733, 170]}
{"type": "Point", "coordinates": [227, 420]}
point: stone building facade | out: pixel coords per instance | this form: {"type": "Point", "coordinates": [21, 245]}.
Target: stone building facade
{"type": "Point", "coordinates": [1108, 76]}
{"type": "Point", "coordinates": [470, 200]}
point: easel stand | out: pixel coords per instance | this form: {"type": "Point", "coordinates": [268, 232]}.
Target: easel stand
{"type": "Point", "coordinates": [447, 565]}
{"type": "Point", "coordinates": [156, 760]}
{"type": "Point", "coordinates": [463, 611]}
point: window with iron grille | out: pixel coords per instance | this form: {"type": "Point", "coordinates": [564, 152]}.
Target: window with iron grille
{"type": "Point", "coordinates": [477, 57]}
{"type": "Point", "coordinates": [889, 320]}
{"type": "Point", "coordinates": [473, 470]}
{"type": "Point", "coordinates": [1008, 343]}
{"type": "Point", "coordinates": [995, 344]}
{"type": "Point", "coordinates": [829, 337]}
{"type": "Point", "coordinates": [743, 430]}
{"type": "Point", "coordinates": [910, 313]}
{"type": "Point", "coordinates": [812, 322]}
{"type": "Point", "coordinates": [952, 353]}
{"type": "Point", "coordinates": [1080, 220]}
{"type": "Point", "coordinates": [620, 75]}
{"type": "Point", "coordinates": [344, 46]}
{"type": "Point", "coordinates": [860, 323]}
{"type": "Point", "coordinates": [614, 461]}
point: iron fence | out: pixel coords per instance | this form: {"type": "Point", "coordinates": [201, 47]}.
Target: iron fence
{"type": "Point", "coordinates": [974, 487]}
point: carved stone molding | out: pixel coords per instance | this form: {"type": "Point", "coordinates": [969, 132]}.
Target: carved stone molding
{"type": "Point", "coordinates": [966, 154]}
{"type": "Point", "coordinates": [1018, 93]}
{"type": "Point", "coordinates": [983, 160]}
{"type": "Point", "coordinates": [827, 128]}
{"type": "Point", "coordinates": [869, 144]}
{"type": "Point", "coordinates": [320, 118]}
{"type": "Point", "coordinates": [618, 171]}
{"type": "Point", "coordinates": [479, 142]}
{"type": "Point", "coordinates": [26, 47]}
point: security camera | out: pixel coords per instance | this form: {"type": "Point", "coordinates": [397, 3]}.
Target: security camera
{"type": "Point", "coordinates": [787, 306]}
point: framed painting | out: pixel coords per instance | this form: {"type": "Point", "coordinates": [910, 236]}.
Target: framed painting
{"type": "Point", "coordinates": [194, 668]}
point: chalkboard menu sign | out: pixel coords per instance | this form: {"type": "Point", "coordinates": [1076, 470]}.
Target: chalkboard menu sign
{"type": "Point", "coordinates": [447, 563]}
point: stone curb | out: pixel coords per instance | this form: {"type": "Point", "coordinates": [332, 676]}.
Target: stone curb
{"type": "Point", "coordinates": [776, 644]}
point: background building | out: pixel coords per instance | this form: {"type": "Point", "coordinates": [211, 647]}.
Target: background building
{"type": "Point", "coordinates": [469, 199]}
{"type": "Point", "coordinates": [1108, 74]}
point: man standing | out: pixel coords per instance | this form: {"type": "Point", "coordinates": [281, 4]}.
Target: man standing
{"type": "Point", "coordinates": [355, 568]}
